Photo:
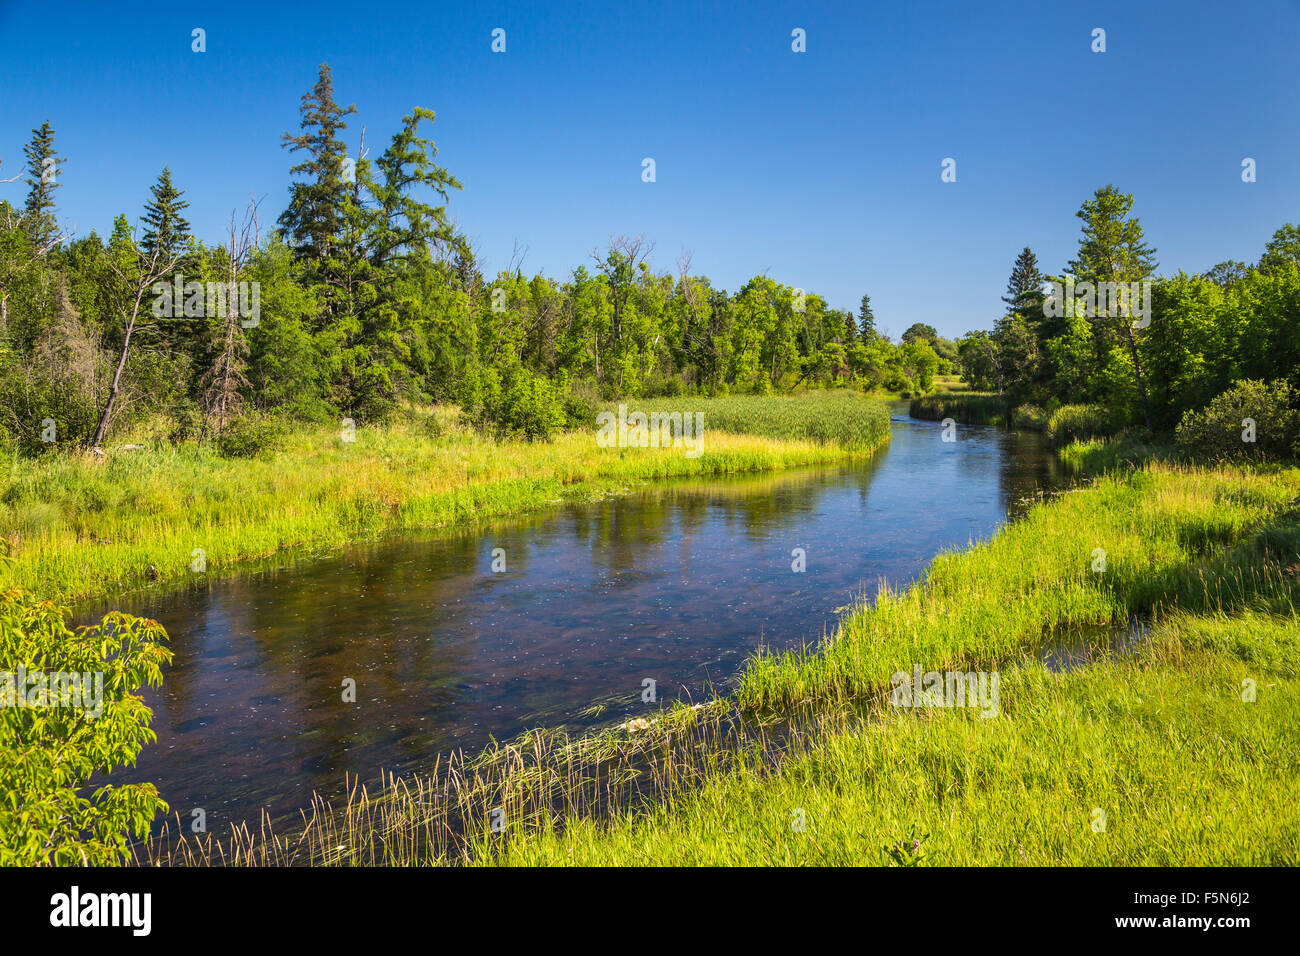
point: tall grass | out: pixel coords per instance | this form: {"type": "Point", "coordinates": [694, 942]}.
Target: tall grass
{"type": "Point", "coordinates": [966, 408]}
{"type": "Point", "coordinates": [1163, 743]}
{"type": "Point", "coordinates": [1154, 760]}
{"type": "Point", "coordinates": [835, 416]}
{"type": "Point", "coordinates": [1071, 423]}
{"type": "Point", "coordinates": [1170, 536]}
{"type": "Point", "coordinates": [73, 528]}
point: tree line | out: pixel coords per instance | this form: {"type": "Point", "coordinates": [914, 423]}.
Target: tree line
{"type": "Point", "coordinates": [369, 300]}
{"type": "Point", "coordinates": [1204, 332]}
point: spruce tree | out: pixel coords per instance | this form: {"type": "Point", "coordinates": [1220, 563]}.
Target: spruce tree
{"type": "Point", "coordinates": [43, 178]}
{"type": "Point", "coordinates": [1112, 249]}
{"type": "Point", "coordinates": [866, 320]}
{"type": "Point", "coordinates": [166, 231]}
{"type": "Point", "coordinates": [315, 217]}
{"type": "Point", "coordinates": [1024, 296]}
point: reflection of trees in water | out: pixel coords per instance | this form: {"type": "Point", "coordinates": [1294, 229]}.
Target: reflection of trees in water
{"type": "Point", "coordinates": [1027, 467]}
{"type": "Point", "coordinates": [409, 620]}
{"type": "Point", "coordinates": [628, 533]}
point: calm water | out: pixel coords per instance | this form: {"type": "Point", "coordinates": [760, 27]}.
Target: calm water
{"type": "Point", "coordinates": [678, 584]}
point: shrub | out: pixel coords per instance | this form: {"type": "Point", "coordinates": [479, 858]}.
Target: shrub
{"type": "Point", "coordinates": [49, 753]}
{"type": "Point", "coordinates": [1220, 431]}
{"type": "Point", "coordinates": [527, 405]}
{"type": "Point", "coordinates": [580, 410]}
{"type": "Point", "coordinates": [1028, 416]}
{"type": "Point", "coordinates": [250, 437]}
{"type": "Point", "coordinates": [1073, 422]}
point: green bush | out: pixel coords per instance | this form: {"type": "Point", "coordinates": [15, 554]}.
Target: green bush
{"type": "Point", "coordinates": [251, 437]}
{"type": "Point", "coordinates": [526, 404]}
{"type": "Point", "coordinates": [1074, 422]}
{"type": "Point", "coordinates": [1221, 431]}
{"type": "Point", "coordinates": [50, 748]}
{"type": "Point", "coordinates": [1028, 416]}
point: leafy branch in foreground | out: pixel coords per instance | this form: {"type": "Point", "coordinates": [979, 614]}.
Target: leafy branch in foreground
{"type": "Point", "coordinates": [69, 709]}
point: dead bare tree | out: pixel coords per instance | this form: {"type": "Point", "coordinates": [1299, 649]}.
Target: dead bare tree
{"type": "Point", "coordinates": [222, 381]}
{"type": "Point", "coordinates": [135, 275]}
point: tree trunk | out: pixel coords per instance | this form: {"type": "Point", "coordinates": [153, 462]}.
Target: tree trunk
{"type": "Point", "coordinates": [117, 376]}
{"type": "Point", "coordinates": [1137, 367]}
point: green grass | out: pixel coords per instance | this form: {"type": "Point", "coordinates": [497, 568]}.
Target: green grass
{"type": "Point", "coordinates": [1071, 423]}
{"type": "Point", "coordinates": [1116, 453]}
{"type": "Point", "coordinates": [1168, 534]}
{"type": "Point", "coordinates": [835, 416]}
{"type": "Point", "coordinates": [74, 528]}
{"type": "Point", "coordinates": [966, 407]}
{"type": "Point", "coordinates": [1186, 771]}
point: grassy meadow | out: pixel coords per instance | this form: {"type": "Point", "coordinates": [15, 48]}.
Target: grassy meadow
{"type": "Point", "coordinates": [75, 527]}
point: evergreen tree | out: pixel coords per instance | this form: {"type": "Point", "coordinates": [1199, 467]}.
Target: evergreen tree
{"type": "Point", "coordinates": [166, 231]}
{"type": "Point", "coordinates": [1025, 288]}
{"type": "Point", "coordinates": [1020, 335]}
{"type": "Point", "coordinates": [43, 178]}
{"type": "Point", "coordinates": [866, 320]}
{"type": "Point", "coordinates": [1112, 249]}
{"type": "Point", "coordinates": [315, 217]}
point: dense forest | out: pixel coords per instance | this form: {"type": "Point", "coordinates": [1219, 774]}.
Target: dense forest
{"type": "Point", "coordinates": [1199, 336]}
{"type": "Point", "coordinates": [364, 299]}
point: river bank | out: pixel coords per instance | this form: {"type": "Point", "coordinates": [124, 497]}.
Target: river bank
{"type": "Point", "coordinates": [1152, 756]}
{"type": "Point", "coordinates": [74, 528]}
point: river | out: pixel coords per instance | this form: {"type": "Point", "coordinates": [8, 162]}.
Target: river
{"type": "Point", "coordinates": [676, 584]}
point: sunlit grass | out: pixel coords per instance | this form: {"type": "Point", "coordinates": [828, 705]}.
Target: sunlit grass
{"type": "Point", "coordinates": [1154, 760]}
{"type": "Point", "coordinates": [836, 416]}
{"type": "Point", "coordinates": [73, 527]}
{"type": "Point", "coordinates": [1186, 770]}
{"type": "Point", "coordinates": [1156, 530]}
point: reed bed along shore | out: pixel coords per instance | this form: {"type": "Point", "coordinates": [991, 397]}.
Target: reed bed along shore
{"type": "Point", "coordinates": [963, 407]}
{"type": "Point", "coordinates": [74, 528]}
{"type": "Point", "coordinates": [1154, 757]}
{"type": "Point", "coordinates": [838, 417]}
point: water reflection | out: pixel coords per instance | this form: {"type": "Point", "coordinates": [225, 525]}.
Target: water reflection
{"type": "Point", "coordinates": [678, 584]}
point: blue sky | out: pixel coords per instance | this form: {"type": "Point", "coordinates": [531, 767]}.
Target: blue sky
{"type": "Point", "coordinates": [820, 169]}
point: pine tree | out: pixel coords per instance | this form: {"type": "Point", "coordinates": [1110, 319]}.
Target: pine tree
{"type": "Point", "coordinates": [1020, 336]}
{"type": "Point", "coordinates": [43, 171]}
{"type": "Point", "coordinates": [165, 229]}
{"type": "Point", "coordinates": [1024, 296]}
{"type": "Point", "coordinates": [1112, 249]}
{"type": "Point", "coordinates": [866, 320]}
{"type": "Point", "coordinates": [315, 217]}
